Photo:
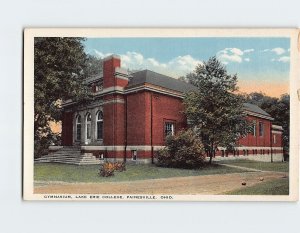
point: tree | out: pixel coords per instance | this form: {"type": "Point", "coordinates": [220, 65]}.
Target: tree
{"type": "Point", "coordinates": [93, 66]}
{"type": "Point", "coordinates": [58, 75]}
{"type": "Point", "coordinates": [214, 110]}
{"type": "Point", "coordinates": [183, 150]}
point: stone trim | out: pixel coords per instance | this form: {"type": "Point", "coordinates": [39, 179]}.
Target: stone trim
{"type": "Point", "coordinates": [122, 148]}
{"type": "Point", "coordinates": [277, 132]}
{"type": "Point", "coordinates": [55, 147]}
{"type": "Point", "coordinates": [111, 57]}
{"type": "Point", "coordinates": [253, 148]}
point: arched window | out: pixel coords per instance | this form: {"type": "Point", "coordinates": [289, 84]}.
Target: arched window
{"type": "Point", "coordinates": [99, 125]}
{"type": "Point", "coordinates": [78, 128]}
{"type": "Point", "coordinates": [88, 126]}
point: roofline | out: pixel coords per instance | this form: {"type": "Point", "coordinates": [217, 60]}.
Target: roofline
{"type": "Point", "coordinates": [153, 88]}
{"type": "Point", "coordinates": [258, 115]}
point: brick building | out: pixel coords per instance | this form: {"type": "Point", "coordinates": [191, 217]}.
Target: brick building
{"type": "Point", "coordinates": [132, 114]}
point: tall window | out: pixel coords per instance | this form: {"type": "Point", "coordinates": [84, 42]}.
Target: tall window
{"type": "Point", "coordinates": [261, 129]}
{"type": "Point", "coordinates": [169, 128]}
{"type": "Point", "coordinates": [78, 128]}
{"type": "Point", "coordinates": [88, 126]}
{"type": "Point", "coordinates": [254, 128]}
{"type": "Point", "coordinates": [274, 138]}
{"type": "Point", "coordinates": [99, 125]}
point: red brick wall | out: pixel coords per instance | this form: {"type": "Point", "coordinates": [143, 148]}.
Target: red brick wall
{"type": "Point", "coordinates": [257, 140]}
{"type": "Point", "coordinates": [114, 123]}
{"type": "Point", "coordinates": [136, 111]}
{"type": "Point", "coordinates": [109, 70]}
{"type": "Point", "coordinates": [67, 129]}
{"type": "Point", "coordinates": [164, 109]}
{"type": "Point", "coordinates": [278, 142]}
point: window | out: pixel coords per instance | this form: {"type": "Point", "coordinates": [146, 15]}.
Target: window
{"type": "Point", "coordinates": [169, 128]}
{"type": "Point", "coordinates": [274, 139]}
{"type": "Point", "coordinates": [88, 126]}
{"type": "Point", "coordinates": [99, 86]}
{"type": "Point", "coordinates": [78, 128]}
{"type": "Point", "coordinates": [134, 155]}
{"type": "Point", "coordinates": [261, 129]}
{"type": "Point", "coordinates": [99, 125]}
{"type": "Point", "coordinates": [254, 128]}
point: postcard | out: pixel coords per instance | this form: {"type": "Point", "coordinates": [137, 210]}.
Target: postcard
{"type": "Point", "coordinates": [161, 114]}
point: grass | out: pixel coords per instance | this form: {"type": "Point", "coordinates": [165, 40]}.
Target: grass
{"type": "Point", "coordinates": [89, 173]}
{"type": "Point", "coordinates": [265, 166]}
{"type": "Point", "coordinates": [273, 187]}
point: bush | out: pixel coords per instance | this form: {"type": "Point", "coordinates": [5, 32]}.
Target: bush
{"type": "Point", "coordinates": [108, 169]}
{"type": "Point", "coordinates": [185, 150]}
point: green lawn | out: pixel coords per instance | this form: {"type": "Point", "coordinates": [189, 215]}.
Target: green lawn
{"type": "Point", "coordinates": [265, 166]}
{"type": "Point", "coordinates": [273, 187]}
{"type": "Point", "coordinates": [89, 173]}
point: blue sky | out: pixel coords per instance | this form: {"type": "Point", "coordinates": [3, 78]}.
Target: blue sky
{"type": "Point", "coordinates": [262, 61]}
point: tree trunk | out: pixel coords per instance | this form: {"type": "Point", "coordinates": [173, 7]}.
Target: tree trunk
{"type": "Point", "coordinates": [210, 157]}
{"type": "Point", "coordinates": [211, 152]}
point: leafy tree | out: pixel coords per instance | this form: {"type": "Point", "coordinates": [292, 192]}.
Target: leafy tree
{"type": "Point", "coordinates": [58, 75]}
{"type": "Point", "coordinates": [183, 150]}
{"type": "Point", "coordinates": [214, 110]}
{"type": "Point", "coordinates": [93, 66]}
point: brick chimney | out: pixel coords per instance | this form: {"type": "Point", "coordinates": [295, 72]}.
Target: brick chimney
{"type": "Point", "coordinates": [113, 74]}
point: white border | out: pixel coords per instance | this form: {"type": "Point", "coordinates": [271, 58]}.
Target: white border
{"type": "Point", "coordinates": [163, 32]}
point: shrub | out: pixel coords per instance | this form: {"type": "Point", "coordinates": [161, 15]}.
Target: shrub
{"type": "Point", "coordinates": [108, 169]}
{"type": "Point", "coordinates": [184, 150]}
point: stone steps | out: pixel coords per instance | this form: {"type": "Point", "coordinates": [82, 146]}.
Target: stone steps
{"type": "Point", "coordinates": [69, 155]}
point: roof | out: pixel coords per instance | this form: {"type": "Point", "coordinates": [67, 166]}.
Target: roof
{"type": "Point", "coordinates": [148, 76]}
{"type": "Point", "coordinates": [254, 108]}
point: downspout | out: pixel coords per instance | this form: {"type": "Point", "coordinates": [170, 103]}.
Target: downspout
{"type": "Point", "coordinates": [114, 105]}
{"type": "Point", "coordinates": [271, 140]}
{"type": "Point", "coordinates": [125, 131]}
{"type": "Point", "coordinates": [151, 133]}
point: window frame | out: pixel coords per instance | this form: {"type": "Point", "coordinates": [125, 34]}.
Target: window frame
{"type": "Point", "coordinates": [90, 126]}
{"type": "Point", "coordinates": [78, 132]}
{"type": "Point", "coordinates": [254, 128]}
{"type": "Point", "coordinates": [261, 129]}
{"type": "Point", "coordinates": [173, 126]}
{"type": "Point", "coordinates": [98, 121]}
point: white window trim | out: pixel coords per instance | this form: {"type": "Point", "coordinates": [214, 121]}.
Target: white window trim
{"type": "Point", "coordinates": [172, 127]}
{"type": "Point", "coordinates": [76, 129]}
{"type": "Point", "coordinates": [86, 127]}
{"type": "Point", "coordinates": [97, 120]}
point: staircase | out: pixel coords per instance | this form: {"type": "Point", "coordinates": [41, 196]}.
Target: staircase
{"type": "Point", "coordinates": [69, 155]}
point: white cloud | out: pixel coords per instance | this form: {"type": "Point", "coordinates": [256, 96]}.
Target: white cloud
{"type": "Point", "coordinates": [100, 54]}
{"type": "Point", "coordinates": [248, 51]}
{"type": "Point", "coordinates": [228, 55]}
{"type": "Point", "coordinates": [278, 51]}
{"type": "Point", "coordinates": [176, 67]}
{"type": "Point", "coordinates": [284, 59]}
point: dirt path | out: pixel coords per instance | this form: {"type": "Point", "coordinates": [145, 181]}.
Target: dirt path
{"type": "Point", "coordinates": [208, 184]}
